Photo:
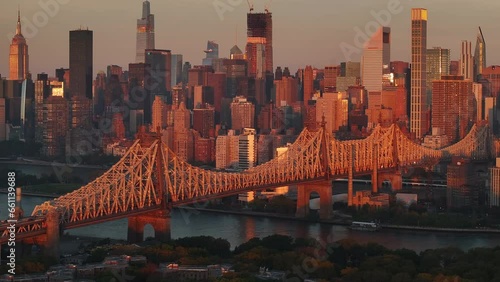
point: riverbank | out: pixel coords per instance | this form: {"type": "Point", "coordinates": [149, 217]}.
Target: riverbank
{"type": "Point", "coordinates": [34, 194]}
{"type": "Point", "coordinates": [344, 222]}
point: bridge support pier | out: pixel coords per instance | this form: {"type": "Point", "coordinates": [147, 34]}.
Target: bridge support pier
{"type": "Point", "coordinates": [396, 179]}
{"type": "Point", "coordinates": [375, 182]}
{"type": "Point", "coordinates": [51, 244]}
{"type": "Point", "coordinates": [159, 220]}
{"type": "Point", "coordinates": [303, 196]}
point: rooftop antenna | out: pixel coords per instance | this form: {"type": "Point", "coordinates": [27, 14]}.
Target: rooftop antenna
{"type": "Point", "coordinates": [268, 6]}
{"type": "Point", "coordinates": [236, 36]}
{"type": "Point", "coordinates": [250, 5]}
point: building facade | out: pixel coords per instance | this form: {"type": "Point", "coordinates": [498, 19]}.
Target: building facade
{"type": "Point", "coordinates": [145, 32]}
{"type": "Point", "coordinates": [418, 101]}
{"type": "Point", "coordinates": [19, 57]}
{"type": "Point", "coordinates": [453, 106]}
{"type": "Point", "coordinates": [376, 59]}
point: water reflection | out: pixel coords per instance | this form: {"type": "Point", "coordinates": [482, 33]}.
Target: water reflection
{"type": "Point", "coordinates": [239, 229]}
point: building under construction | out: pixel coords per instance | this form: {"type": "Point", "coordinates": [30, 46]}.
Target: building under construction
{"type": "Point", "coordinates": [261, 25]}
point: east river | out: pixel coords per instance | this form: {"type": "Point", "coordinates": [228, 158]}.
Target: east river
{"type": "Point", "coordinates": [238, 229]}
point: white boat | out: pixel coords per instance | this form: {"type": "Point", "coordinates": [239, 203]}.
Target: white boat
{"type": "Point", "coordinates": [364, 226]}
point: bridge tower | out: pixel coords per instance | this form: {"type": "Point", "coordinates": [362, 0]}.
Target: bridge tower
{"type": "Point", "coordinates": [394, 175]}
{"type": "Point", "coordinates": [158, 219]}
{"type": "Point", "coordinates": [322, 187]}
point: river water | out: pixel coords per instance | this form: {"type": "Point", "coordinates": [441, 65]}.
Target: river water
{"type": "Point", "coordinates": [238, 229]}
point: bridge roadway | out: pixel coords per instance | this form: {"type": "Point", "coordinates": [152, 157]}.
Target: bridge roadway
{"type": "Point", "coordinates": [150, 179]}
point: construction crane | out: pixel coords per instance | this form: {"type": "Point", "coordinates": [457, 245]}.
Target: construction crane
{"type": "Point", "coordinates": [250, 5]}
{"type": "Point", "coordinates": [268, 6]}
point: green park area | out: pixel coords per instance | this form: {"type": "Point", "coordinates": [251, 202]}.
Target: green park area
{"type": "Point", "coordinates": [299, 259]}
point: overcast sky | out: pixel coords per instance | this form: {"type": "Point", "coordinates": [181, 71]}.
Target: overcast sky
{"type": "Point", "coordinates": [305, 31]}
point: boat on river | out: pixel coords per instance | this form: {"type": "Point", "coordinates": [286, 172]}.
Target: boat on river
{"type": "Point", "coordinates": [364, 226]}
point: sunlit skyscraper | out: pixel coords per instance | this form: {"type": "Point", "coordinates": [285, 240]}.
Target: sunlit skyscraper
{"type": "Point", "coordinates": [261, 25]}
{"type": "Point", "coordinates": [145, 32]}
{"type": "Point", "coordinates": [438, 64]}
{"type": "Point", "coordinates": [376, 59]}
{"type": "Point", "coordinates": [418, 103]}
{"type": "Point", "coordinates": [81, 62]}
{"type": "Point", "coordinates": [212, 52]}
{"type": "Point", "coordinates": [479, 55]}
{"type": "Point", "coordinates": [466, 61]}
{"type": "Point", "coordinates": [19, 59]}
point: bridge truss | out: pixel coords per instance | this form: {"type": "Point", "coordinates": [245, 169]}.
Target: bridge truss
{"type": "Point", "coordinates": [150, 176]}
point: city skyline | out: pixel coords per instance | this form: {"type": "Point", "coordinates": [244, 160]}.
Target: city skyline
{"type": "Point", "coordinates": [442, 31]}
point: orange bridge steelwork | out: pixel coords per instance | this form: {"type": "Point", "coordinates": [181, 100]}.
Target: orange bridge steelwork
{"type": "Point", "coordinates": [150, 179]}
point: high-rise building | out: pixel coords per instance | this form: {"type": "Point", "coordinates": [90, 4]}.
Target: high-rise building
{"type": "Point", "coordinates": [227, 150]}
{"type": "Point", "coordinates": [176, 69]}
{"type": "Point", "coordinates": [286, 91]}
{"type": "Point", "coordinates": [204, 121]}
{"type": "Point", "coordinates": [160, 62]}
{"type": "Point", "coordinates": [494, 183]}
{"type": "Point", "coordinates": [242, 113]}
{"type": "Point", "coordinates": [212, 52]}
{"type": "Point", "coordinates": [462, 188]}
{"type": "Point", "coordinates": [376, 59]}
{"type": "Point", "coordinates": [438, 64]}
{"type": "Point", "coordinates": [331, 74]}
{"type": "Point", "coordinates": [418, 102]}
{"type": "Point", "coordinates": [335, 110]}
{"type": "Point", "coordinates": [183, 136]}
{"type": "Point", "coordinates": [261, 25]}
{"type": "Point", "coordinates": [256, 56]}
{"type": "Point", "coordinates": [55, 125]}
{"type": "Point", "coordinates": [350, 69]}
{"type": "Point", "coordinates": [479, 55]}
{"type": "Point", "coordinates": [454, 67]}
{"type": "Point", "coordinates": [466, 61]}
{"type": "Point", "coordinates": [145, 32]}
{"type": "Point", "coordinates": [159, 119]}
{"type": "Point", "coordinates": [308, 83]}
{"type": "Point", "coordinates": [453, 106]}
{"type": "Point", "coordinates": [81, 62]}
{"type": "Point", "coordinates": [19, 58]}
{"type": "Point", "coordinates": [247, 149]}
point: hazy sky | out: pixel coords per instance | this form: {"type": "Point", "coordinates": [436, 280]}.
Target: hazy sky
{"type": "Point", "coordinates": [305, 31]}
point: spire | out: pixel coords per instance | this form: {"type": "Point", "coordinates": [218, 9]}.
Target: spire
{"type": "Point", "coordinates": [146, 9]}
{"type": "Point", "coordinates": [18, 28]}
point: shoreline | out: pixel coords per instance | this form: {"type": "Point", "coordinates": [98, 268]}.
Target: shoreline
{"type": "Point", "coordinates": [34, 194]}
{"type": "Point", "coordinates": [344, 223]}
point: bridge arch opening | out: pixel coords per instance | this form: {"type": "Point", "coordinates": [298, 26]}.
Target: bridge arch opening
{"type": "Point", "coordinates": [321, 194]}
{"type": "Point", "coordinates": [314, 204]}
{"type": "Point", "coordinates": [149, 232]}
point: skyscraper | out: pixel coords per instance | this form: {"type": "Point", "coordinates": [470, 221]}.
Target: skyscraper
{"type": "Point", "coordinates": [81, 62]}
{"type": "Point", "coordinates": [18, 59]}
{"type": "Point", "coordinates": [494, 184]}
{"type": "Point", "coordinates": [418, 103]}
{"type": "Point", "coordinates": [261, 25]}
{"type": "Point", "coordinates": [145, 32]}
{"type": "Point", "coordinates": [176, 69]}
{"type": "Point", "coordinates": [376, 59]}
{"type": "Point", "coordinates": [479, 55]}
{"type": "Point", "coordinates": [256, 56]}
{"type": "Point", "coordinates": [160, 62]}
{"type": "Point", "coordinates": [453, 106]}
{"type": "Point", "coordinates": [466, 61]}
{"type": "Point", "coordinates": [212, 52]}
{"type": "Point", "coordinates": [242, 113]}
{"type": "Point", "coordinates": [308, 84]}
{"type": "Point", "coordinates": [438, 64]}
